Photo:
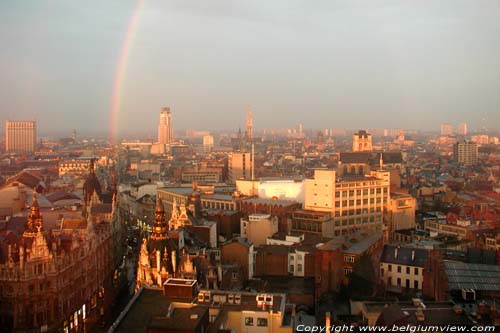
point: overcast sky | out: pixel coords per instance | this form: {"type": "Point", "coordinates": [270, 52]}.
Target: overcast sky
{"type": "Point", "coordinates": [402, 63]}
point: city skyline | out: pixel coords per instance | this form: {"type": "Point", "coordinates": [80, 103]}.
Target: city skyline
{"type": "Point", "coordinates": [416, 65]}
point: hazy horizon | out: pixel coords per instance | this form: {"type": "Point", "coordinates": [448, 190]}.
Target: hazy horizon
{"type": "Point", "coordinates": [327, 64]}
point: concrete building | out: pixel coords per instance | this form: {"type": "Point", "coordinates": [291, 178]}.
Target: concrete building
{"type": "Point", "coordinates": [208, 143]}
{"type": "Point", "coordinates": [465, 152]}
{"type": "Point", "coordinates": [239, 251]}
{"type": "Point", "coordinates": [361, 141]}
{"type": "Point", "coordinates": [462, 129]}
{"type": "Point", "coordinates": [356, 202]}
{"type": "Point", "coordinates": [239, 166]}
{"type": "Point", "coordinates": [258, 227]}
{"type": "Point", "coordinates": [446, 129]}
{"type": "Point", "coordinates": [165, 130]}
{"type": "Point", "coordinates": [20, 136]}
{"type": "Point", "coordinates": [401, 213]}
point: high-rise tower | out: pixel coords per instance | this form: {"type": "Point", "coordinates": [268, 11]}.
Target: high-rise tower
{"type": "Point", "coordinates": [165, 132]}
{"type": "Point", "coordinates": [20, 136]}
{"type": "Point", "coordinates": [249, 123]}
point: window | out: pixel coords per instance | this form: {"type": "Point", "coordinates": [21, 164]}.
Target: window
{"type": "Point", "coordinates": [347, 270]}
{"type": "Point", "coordinates": [407, 270]}
{"type": "Point", "coordinates": [415, 284]}
{"type": "Point", "coordinates": [390, 268]}
{"type": "Point", "coordinates": [382, 272]}
{"type": "Point", "coordinates": [349, 259]}
{"type": "Point", "coordinates": [262, 322]}
{"type": "Point", "coordinates": [399, 269]}
{"type": "Point", "coordinates": [399, 282]}
{"type": "Point", "coordinates": [292, 268]}
{"type": "Point", "coordinates": [416, 271]}
{"type": "Point", "coordinates": [407, 284]}
{"type": "Point", "coordinates": [248, 321]}
{"type": "Point", "coordinates": [299, 268]}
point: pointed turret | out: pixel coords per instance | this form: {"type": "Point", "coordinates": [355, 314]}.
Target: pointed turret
{"type": "Point", "coordinates": [160, 226]}
{"type": "Point", "coordinates": [91, 184]}
{"type": "Point", "coordinates": [34, 223]}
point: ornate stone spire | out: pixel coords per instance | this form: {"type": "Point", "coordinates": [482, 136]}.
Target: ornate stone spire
{"type": "Point", "coordinates": [160, 226]}
{"type": "Point", "coordinates": [34, 223]}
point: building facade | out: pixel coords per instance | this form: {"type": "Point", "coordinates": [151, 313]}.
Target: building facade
{"type": "Point", "coordinates": [20, 136]}
{"type": "Point", "coordinates": [402, 267]}
{"type": "Point", "coordinates": [465, 153]}
{"type": "Point", "coordinates": [361, 141]}
{"type": "Point", "coordinates": [239, 166]}
{"type": "Point", "coordinates": [356, 202]}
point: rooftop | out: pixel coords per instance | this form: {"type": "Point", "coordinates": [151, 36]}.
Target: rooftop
{"type": "Point", "coordinates": [472, 276]}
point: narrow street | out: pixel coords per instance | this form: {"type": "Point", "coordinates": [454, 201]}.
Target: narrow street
{"type": "Point", "coordinates": [116, 300]}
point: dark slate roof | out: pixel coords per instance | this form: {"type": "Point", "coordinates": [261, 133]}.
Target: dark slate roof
{"type": "Point", "coordinates": [61, 195]}
{"type": "Point", "coordinates": [357, 157]}
{"type": "Point", "coordinates": [404, 256]}
{"type": "Point", "coordinates": [391, 157]}
{"type": "Point", "coordinates": [26, 178]}
{"type": "Point", "coordinates": [474, 276]}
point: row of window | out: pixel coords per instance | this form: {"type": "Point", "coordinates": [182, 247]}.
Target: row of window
{"type": "Point", "coordinates": [358, 220]}
{"type": "Point", "coordinates": [261, 322]}
{"type": "Point", "coordinates": [365, 191]}
{"type": "Point", "coordinates": [416, 270]}
{"type": "Point", "coordinates": [359, 201]}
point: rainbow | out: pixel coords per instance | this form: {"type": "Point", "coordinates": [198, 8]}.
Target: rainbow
{"type": "Point", "coordinates": [121, 71]}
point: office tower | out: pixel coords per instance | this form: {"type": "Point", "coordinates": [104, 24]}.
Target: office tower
{"type": "Point", "coordinates": [446, 129]}
{"type": "Point", "coordinates": [208, 143]}
{"type": "Point", "coordinates": [361, 141]}
{"type": "Point", "coordinates": [465, 152]}
{"type": "Point", "coordinates": [462, 129]}
{"type": "Point", "coordinates": [165, 132]}
{"type": "Point", "coordinates": [249, 123]}
{"type": "Point", "coordinates": [20, 136]}
{"type": "Point", "coordinates": [240, 166]}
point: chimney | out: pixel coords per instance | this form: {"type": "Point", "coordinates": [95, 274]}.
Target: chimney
{"type": "Point", "coordinates": [328, 320]}
{"type": "Point", "coordinates": [412, 255]}
{"type": "Point", "coordinates": [396, 253]}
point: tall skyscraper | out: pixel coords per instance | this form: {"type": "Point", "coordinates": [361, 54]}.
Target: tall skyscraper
{"type": "Point", "coordinates": [361, 141]}
{"type": "Point", "coordinates": [462, 129]}
{"type": "Point", "coordinates": [446, 129]}
{"type": "Point", "coordinates": [20, 136]}
{"type": "Point", "coordinates": [165, 132]}
{"type": "Point", "coordinates": [249, 123]}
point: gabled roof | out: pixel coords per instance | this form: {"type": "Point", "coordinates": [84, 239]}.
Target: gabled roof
{"type": "Point", "coordinates": [26, 178]}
